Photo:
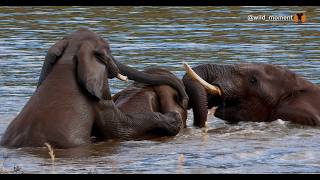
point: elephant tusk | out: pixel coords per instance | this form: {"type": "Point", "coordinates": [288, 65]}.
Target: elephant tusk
{"type": "Point", "coordinates": [211, 88]}
{"type": "Point", "coordinates": [122, 77]}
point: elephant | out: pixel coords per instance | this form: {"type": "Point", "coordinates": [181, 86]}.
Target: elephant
{"type": "Point", "coordinates": [255, 92]}
{"type": "Point", "coordinates": [151, 98]}
{"type": "Point", "coordinates": [72, 102]}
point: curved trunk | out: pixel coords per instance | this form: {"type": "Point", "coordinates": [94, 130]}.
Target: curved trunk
{"type": "Point", "coordinates": [198, 102]}
{"type": "Point", "coordinates": [198, 96]}
{"type": "Point", "coordinates": [154, 79]}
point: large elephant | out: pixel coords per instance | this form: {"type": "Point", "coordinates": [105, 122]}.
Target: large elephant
{"type": "Point", "coordinates": [73, 102]}
{"type": "Point", "coordinates": [251, 92]}
{"type": "Point", "coordinates": [146, 98]}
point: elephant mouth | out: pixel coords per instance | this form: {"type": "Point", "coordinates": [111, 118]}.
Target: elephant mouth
{"type": "Point", "coordinates": [115, 73]}
{"type": "Point", "coordinates": [212, 89]}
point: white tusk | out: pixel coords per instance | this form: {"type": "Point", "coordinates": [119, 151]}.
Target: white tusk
{"type": "Point", "coordinates": [211, 88]}
{"type": "Point", "coordinates": [122, 77]}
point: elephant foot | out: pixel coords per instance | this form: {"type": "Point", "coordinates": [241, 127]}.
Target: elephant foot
{"type": "Point", "coordinates": [173, 123]}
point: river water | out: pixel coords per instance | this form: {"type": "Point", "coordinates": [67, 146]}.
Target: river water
{"type": "Point", "coordinates": [165, 37]}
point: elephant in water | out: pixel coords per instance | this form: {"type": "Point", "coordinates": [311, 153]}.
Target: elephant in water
{"type": "Point", "coordinates": [251, 92]}
{"type": "Point", "coordinates": [73, 102]}
{"type": "Point", "coordinates": [142, 98]}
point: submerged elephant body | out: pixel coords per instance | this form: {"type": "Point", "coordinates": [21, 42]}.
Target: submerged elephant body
{"type": "Point", "coordinates": [253, 92]}
{"type": "Point", "coordinates": [73, 100]}
{"type": "Point", "coordinates": [158, 98]}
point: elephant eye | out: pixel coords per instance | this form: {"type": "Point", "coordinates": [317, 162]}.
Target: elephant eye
{"type": "Point", "coordinates": [253, 80]}
{"type": "Point", "coordinates": [98, 55]}
{"type": "Point", "coordinates": [101, 57]}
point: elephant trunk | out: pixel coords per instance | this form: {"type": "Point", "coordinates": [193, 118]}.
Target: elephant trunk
{"type": "Point", "coordinates": [197, 88]}
{"type": "Point", "coordinates": [198, 102]}
{"type": "Point", "coordinates": [155, 79]}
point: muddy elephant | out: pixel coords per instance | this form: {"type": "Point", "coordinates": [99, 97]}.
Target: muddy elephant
{"type": "Point", "coordinates": [138, 97]}
{"type": "Point", "coordinates": [251, 92]}
{"type": "Point", "coordinates": [73, 102]}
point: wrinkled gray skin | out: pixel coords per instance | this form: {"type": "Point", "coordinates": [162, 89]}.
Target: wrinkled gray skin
{"type": "Point", "coordinates": [73, 101]}
{"type": "Point", "coordinates": [151, 98]}
{"type": "Point", "coordinates": [254, 92]}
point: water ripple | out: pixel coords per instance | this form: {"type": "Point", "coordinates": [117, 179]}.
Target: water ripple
{"type": "Point", "coordinates": [166, 36]}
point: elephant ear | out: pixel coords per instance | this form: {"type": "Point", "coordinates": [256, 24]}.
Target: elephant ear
{"type": "Point", "coordinates": [52, 56]}
{"type": "Point", "coordinates": [90, 71]}
{"type": "Point", "coordinates": [300, 107]}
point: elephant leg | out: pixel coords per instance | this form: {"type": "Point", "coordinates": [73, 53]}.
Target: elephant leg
{"type": "Point", "coordinates": [52, 56]}
{"type": "Point", "coordinates": [112, 123]}
{"type": "Point", "coordinates": [168, 101]}
{"type": "Point", "coordinates": [152, 123]}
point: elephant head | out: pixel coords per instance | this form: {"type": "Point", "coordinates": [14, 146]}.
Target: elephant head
{"type": "Point", "coordinates": [251, 92]}
{"type": "Point", "coordinates": [93, 55]}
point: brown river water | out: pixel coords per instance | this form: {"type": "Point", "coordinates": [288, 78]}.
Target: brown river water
{"type": "Point", "coordinates": [165, 37]}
